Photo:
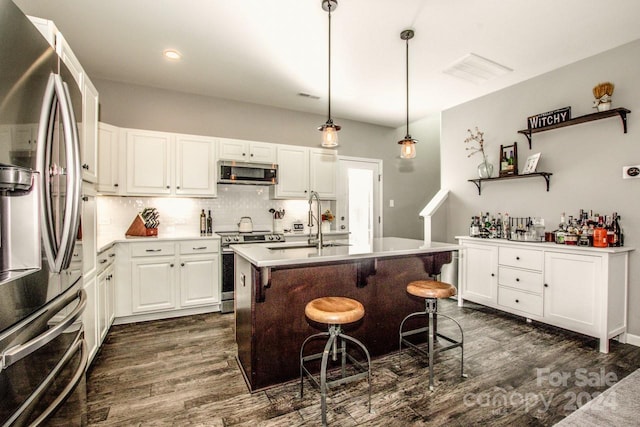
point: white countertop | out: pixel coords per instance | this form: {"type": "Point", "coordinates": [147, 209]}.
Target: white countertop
{"type": "Point", "coordinates": [547, 245]}
{"type": "Point", "coordinates": [287, 254]}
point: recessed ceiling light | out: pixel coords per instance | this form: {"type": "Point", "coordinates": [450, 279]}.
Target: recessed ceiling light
{"type": "Point", "coordinates": [172, 54]}
{"type": "Point", "coordinates": [476, 69]}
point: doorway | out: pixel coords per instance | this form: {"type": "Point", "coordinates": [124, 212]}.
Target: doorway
{"type": "Point", "coordinates": [359, 198]}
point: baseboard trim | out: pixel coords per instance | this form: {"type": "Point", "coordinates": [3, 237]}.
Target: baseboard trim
{"type": "Point", "coordinates": [633, 340]}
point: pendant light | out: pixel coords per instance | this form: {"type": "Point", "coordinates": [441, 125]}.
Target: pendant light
{"type": "Point", "coordinates": [408, 144]}
{"type": "Point", "coordinates": [329, 129]}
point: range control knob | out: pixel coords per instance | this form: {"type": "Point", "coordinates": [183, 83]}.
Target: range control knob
{"type": "Point", "coordinates": [270, 237]}
{"type": "Point", "coordinates": [236, 239]}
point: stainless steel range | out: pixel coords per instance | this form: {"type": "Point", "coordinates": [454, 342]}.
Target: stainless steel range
{"type": "Point", "coordinates": [229, 238]}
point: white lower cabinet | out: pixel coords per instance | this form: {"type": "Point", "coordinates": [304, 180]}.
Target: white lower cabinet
{"type": "Point", "coordinates": [572, 293]}
{"type": "Point", "coordinates": [90, 317]}
{"type": "Point", "coordinates": [167, 279]}
{"type": "Point", "coordinates": [480, 275]}
{"type": "Point", "coordinates": [105, 302]}
{"type": "Point", "coordinates": [579, 289]}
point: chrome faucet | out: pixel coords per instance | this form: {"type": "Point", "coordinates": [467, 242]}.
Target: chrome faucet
{"type": "Point", "coordinates": [318, 217]}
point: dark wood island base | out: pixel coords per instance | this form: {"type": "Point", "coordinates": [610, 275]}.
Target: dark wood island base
{"type": "Point", "coordinates": [270, 320]}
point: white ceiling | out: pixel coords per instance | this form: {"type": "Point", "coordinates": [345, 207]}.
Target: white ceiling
{"type": "Point", "coordinates": [267, 52]}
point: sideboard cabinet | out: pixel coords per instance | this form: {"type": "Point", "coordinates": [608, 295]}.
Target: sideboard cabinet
{"type": "Point", "coordinates": [576, 288]}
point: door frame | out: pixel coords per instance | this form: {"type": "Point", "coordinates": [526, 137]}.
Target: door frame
{"type": "Point", "coordinates": [377, 232]}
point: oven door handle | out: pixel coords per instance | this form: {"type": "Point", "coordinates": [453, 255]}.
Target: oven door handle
{"type": "Point", "coordinates": [27, 407]}
{"type": "Point", "coordinates": [20, 351]}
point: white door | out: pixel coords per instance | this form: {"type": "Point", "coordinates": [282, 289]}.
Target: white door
{"type": "Point", "coordinates": [358, 203]}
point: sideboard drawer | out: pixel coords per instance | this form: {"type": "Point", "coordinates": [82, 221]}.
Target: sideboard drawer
{"type": "Point", "coordinates": [521, 258]}
{"type": "Point", "coordinates": [521, 301]}
{"type": "Point", "coordinates": [524, 280]}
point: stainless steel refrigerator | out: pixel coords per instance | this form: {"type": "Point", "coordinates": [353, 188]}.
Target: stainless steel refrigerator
{"type": "Point", "coordinates": [42, 350]}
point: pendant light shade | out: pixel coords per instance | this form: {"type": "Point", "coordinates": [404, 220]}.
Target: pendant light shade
{"type": "Point", "coordinates": [329, 129]}
{"type": "Point", "coordinates": [408, 144]}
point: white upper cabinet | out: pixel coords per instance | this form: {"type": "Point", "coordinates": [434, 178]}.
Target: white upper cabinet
{"type": "Point", "coordinates": [47, 28]}
{"type": "Point", "coordinates": [171, 164]}
{"type": "Point", "coordinates": [322, 172]}
{"type": "Point", "coordinates": [108, 159]}
{"type": "Point", "coordinates": [89, 148]}
{"type": "Point", "coordinates": [148, 160]}
{"type": "Point", "coordinates": [246, 151]}
{"type": "Point", "coordinates": [195, 166]}
{"type": "Point", "coordinates": [293, 172]}
{"type": "Point", "coordinates": [69, 58]}
{"type": "Point", "coordinates": [301, 170]}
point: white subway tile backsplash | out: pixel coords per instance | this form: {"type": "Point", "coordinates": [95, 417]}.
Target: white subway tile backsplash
{"type": "Point", "coordinates": [181, 216]}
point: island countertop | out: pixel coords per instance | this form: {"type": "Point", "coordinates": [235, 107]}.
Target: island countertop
{"type": "Point", "coordinates": [291, 253]}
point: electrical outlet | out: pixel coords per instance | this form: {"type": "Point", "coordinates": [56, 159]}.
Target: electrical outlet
{"type": "Point", "coordinates": [631, 172]}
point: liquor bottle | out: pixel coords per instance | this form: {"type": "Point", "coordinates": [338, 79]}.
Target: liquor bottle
{"type": "Point", "coordinates": [506, 229]}
{"type": "Point", "coordinates": [203, 223]}
{"type": "Point", "coordinates": [561, 231]}
{"type": "Point", "coordinates": [499, 226]}
{"type": "Point", "coordinates": [615, 227]}
{"type": "Point", "coordinates": [209, 224]}
{"type": "Point", "coordinates": [510, 161]}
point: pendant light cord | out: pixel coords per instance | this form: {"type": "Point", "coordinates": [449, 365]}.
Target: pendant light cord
{"type": "Point", "coordinates": [329, 6]}
{"type": "Point", "coordinates": [407, 81]}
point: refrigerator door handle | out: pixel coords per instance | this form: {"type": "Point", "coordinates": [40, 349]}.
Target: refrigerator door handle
{"type": "Point", "coordinates": [74, 177]}
{"type": "Point", "coordinates": [20, 351]}
{"type": "Point", "coordinates": [59, 256]}
{"type": "Point", "coordinates": [26, 408]}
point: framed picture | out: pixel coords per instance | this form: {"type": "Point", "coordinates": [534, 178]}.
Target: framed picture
{"type": "Point", "coordinates": [532, 163]}
{"type": "Point", "coordinates": [509, 160]}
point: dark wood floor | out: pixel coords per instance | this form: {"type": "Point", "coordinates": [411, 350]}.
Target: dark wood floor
{"type": "Point", "coordinates": [183, 372]}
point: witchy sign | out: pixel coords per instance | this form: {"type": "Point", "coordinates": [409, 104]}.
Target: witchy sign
{"type": "Point", "coordinates": [549, 118]}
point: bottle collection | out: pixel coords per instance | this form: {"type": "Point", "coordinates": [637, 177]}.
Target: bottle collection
{"type": "Point", "coordinates": [586, 229]}
{"type": "Point", "coordinates": [206, 224]}
{"type": "Point", "coordinates": [506, 227]}
{"type": "Point", "coordinates": [589, 229]}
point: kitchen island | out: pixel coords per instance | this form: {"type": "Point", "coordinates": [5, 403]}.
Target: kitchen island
{"type": "Point", "coordinates": [274, 282]}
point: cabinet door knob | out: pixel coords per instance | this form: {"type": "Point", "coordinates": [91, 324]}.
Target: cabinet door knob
{"type": "Point", "coordinates": [517, 300]}
{"type": "Point", "coordinates": [170, 265]}
{"type": "Point", "coordinates": [518, 258]}
{"type": "Point", "coordinates": [251, 154]}
{"type": "Point", "coordinates": [85, 198]}
{"type": "Point", "coordinates": [342, 227]}
{"type": "Point", "coordinates": [182, 264]}
{"type": "Point", "coordinates": [85, 166]}
{"type": "Point", "coordinates": [546, 285]}
{"type": "Point", "coordinates": [177, 187]}
{"type": "Point", "coordinates": [517, 279]}
{"type": "Point", "coordinates": [493, 275]}
{"type": "Point", "coordinates": [244, 154]}
{"type": "Point", "coordinates": [168, 186]}
{"type": "Point", "coordinates": [115, 185]}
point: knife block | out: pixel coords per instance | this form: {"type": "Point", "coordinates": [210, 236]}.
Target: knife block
{"type": "Point", "coordinates": [137, 228]}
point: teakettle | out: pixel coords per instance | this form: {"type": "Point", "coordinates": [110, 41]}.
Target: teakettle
{"type": "Point", "coordinates": [245, 225]}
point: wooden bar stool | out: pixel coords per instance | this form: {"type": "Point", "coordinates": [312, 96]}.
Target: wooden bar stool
{"type": "Point", "coordinates": [334, 311]}
{"type": "Point", "coordinates": [431, 291]}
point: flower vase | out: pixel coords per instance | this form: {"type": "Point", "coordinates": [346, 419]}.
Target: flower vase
{"type": "Point", "coordinates": [485, 169]}
{"type": "Point", "coordinates": [326, 226]}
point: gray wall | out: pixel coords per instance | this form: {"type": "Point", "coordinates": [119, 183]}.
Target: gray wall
{"type": "Point", "coordinates": [586, 160]}
{"type": "Point", "coordinates": [410, 183]}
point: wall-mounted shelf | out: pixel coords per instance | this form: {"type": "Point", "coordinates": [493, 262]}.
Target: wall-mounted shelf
{"type": "Point", "coordinates": [478, 182]}
{"type": "Point", "coordinates": [622, 112]}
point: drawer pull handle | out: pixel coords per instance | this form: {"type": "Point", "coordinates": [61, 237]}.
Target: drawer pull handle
{"type": "Point", "coordinates": [102, 261]}
{"type": "Point", "coordinates": [112, 255]}
{"type": "Point", "coordinates": [199, 248]}
{"type": "Point", "coordinates": [517, 300]}
{"type": "Point", "coordinates": [154, 250]}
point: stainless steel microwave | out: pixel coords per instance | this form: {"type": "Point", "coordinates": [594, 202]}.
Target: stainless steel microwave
{"type": "Point", "coordinates": [230, 172]}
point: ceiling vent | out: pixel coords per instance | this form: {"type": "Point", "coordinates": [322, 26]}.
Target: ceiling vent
{"type": "Point", "coordinates": [476, 69]}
